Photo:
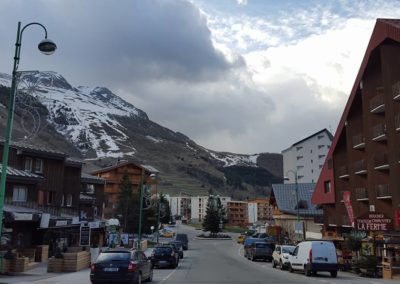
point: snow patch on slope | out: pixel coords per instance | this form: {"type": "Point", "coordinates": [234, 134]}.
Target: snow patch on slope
{"type": "Point", "coordinates": [235, 159]}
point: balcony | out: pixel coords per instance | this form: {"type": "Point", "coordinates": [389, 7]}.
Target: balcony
{"type": "Point", "coordinates": [383, 191]}
{"type": "Point", "coordinates": [381, 162]}
{"type": "Point", "coordinates": [343, 173]}
{"type": "Point", "coordinates": [345, 221]}
{"type": "Point", "coordinates": [361, 194]}
{"type": "Point", "coordinates": [360, 167]}
{"type": "Point", "coordinates": [359, 141]}
{"type": "Point", "coordinates": [379, 132]}
{"type": "Point", "coordinates": [396, 91]}
{"type": "Point", "coordinates": [397, 122]}
{"type": "Point", "coordinates": [377, 103]}
{"type": "Point", "coordinates": [332, 221]}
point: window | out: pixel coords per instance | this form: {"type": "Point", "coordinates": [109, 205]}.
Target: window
{"type": "Point", "coordinates": [327, 186]}
{"type": "Point", "coordinates": [69, 200]}
{"type": "Point", "coordinates": [321, 156]}
{"type": "Point", "coordinates": [299, 157]}
{"type": "Point", "coordinates": [312, 161]}
{"type": "Point", "coordinates": [40, 197]}
{"type": "Point", "coordinates": [311, 151]}
{"type": "Point", "coordinates": [28, 164]}
{"type": "Point", "coordinates": [320, 166]}
{"type": "Point", "coordinates": [320, 137]}
{"type": "Point", "coordinates": [20, 193]}
{"type": "Point", "coordinates": [90, 188]}
{"type": "Point", "coordinates": [312, 171]}
{"type": "Point", "coordinates": [38, 166]}
{"type": "Point", "coordinates": [298, 148]}
{"type": "Point", "coordinates": [320, 146]}
{"type": "Point", "coordinates": [51, 197]}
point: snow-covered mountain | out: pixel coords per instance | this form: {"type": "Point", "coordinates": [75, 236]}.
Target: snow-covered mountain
{"type": "Point", "coordinates": [102, 127]}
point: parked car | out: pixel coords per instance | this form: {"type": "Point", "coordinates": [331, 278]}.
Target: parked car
{"type": "Point", "coordinates": [240, 239]}
{"type": "Point", "coordinates": [183, 238]}
{"type": "Point", "coordinates": [121, 265]}
{"type": "Point", "coordinates": [314, 256]}
{"type": "Point", "coordinates": [280, 256]}
{"type": "Point", "coordinates": [175, 248]}
{"type": "Point", "coordinates": [247, 245]}
{"type": "Point", "coordinates": [164, 256]}
{"type": "Point", "coordinates": [261, 250]}
{"type": "Point", "coordinates": [179, 246]}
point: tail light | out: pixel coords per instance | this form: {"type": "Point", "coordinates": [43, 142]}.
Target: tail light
{"type": "Point", "coordinates": [310, 256]}
{"type": "Point", "coordinates": [92, 267]}
{"type": "Point", "coordinates": [132, 267]}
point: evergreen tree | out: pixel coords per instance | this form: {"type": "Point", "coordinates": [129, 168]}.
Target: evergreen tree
{"type": "Point", "coordinates": [215, 213]}
{"type": "Point", "coordinates": [165, 210]}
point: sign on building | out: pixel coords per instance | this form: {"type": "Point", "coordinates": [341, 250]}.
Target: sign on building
{"type": "Point", "coordinates": [84, 239]}
{"type": "Point", "coordinates": [374, 222]}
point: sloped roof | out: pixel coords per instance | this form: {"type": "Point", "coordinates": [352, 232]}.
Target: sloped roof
{"type": "Point", "coordinates": [147, 168]}
{"type": "Point", "coordinates": [384, 29]}
{"type": "Point", "coordinates": [286, 199]}
{"type": "Point", "coordinates": [311, 136]}
{"type": "Point", "coordinates": [91, 179]}
{"type": "Point", "coordinates": [35, 149]}
{"type": "Point", "coordinates": [13, 172]}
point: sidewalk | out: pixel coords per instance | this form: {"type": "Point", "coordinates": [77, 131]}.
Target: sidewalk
{"type": "Point", "coordinates": [29, 276]}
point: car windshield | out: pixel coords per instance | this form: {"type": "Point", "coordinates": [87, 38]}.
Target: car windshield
{"type": "Point", "coordinates": [262, 245]}
{"type": "Point", "coordinates": [287, 249]}
{"type": "Point", "coordinates": [161, 250]}
{"type": "Point", "coordinates": [113, 256]}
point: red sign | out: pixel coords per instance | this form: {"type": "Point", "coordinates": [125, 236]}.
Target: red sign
{"type": "Point", "coordinates": [397, 217]}
{"type": "Point", "coordinates": [374, 222]}
{"type": "Point", "coordinates": [349, 208]}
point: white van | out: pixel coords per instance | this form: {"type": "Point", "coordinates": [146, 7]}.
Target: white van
{"type": "Point", "coordinates": [314, 256]}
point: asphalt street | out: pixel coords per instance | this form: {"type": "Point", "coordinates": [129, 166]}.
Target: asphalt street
{"type": "Point", "coordinates": [209, 261]}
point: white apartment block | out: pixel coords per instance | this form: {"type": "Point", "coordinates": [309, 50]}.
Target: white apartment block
{"type": "Point", "coordinates": [199, 207]}
{"type": "Point", "coordinates": [306, 157]}
{"type": "Point", "coordinates": [252, 211]}
{"type": "Point", "coordinates": [180, 205]}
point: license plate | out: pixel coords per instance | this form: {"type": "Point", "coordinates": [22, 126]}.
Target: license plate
{"type": "Point", "coordinates": [162, 261]}
{"type": "Point", "coordinates": [111, 269]}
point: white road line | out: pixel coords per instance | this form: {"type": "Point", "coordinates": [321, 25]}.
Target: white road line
{"type": "Point", "coordinates": [168, 276]}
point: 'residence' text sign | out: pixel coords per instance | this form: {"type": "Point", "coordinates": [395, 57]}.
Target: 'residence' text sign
{"type": "Point", "coordinates": [373, 222]}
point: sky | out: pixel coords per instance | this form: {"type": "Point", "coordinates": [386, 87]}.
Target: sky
{"type": "Point", "coordinates": [242, 76]}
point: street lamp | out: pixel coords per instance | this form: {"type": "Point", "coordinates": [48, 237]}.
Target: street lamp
{"type": "Point", "coordinates": [47, 47]}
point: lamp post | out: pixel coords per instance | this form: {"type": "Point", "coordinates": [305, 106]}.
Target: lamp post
{"type": "Point", "coordinates": [47, 47]}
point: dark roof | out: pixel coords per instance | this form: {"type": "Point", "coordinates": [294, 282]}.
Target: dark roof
{"type": "Point", "coordinates": [12, 172]}
{"type": "Point", "coordinates": [285, 196]}
{"type": "Point", "coordinates": [147, 168]}
{"type": "Point", "coordinates": [73, 162]}
{"type": "Point", "coordinates": [87, 178]}
{"type": "Point", "coordinates": [315, 134]}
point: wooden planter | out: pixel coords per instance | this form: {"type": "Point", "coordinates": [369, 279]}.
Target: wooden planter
{"type": "Point", "coordinates": [42, 253]}
{"type": "Point", "coordinates": [55, 264]}
{"type": "Point", "coordinates": [19, 264]}
{"type": "Point", "coordinates": [6, 265]}
{"type": "Point", "coordinates": [75, 261]}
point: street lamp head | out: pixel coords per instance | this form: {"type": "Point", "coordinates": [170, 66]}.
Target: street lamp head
{"type": "Point", "coordinates": [47, 46]}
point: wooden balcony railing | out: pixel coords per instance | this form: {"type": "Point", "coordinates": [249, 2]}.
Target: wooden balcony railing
{"type": "Point", "coordinates": [51, 209]}
{"type": "Point", "coordinates": [381, 162]}
{"type": "Point", "coordinates": [397, 122]}
{"type": "Point", "coordinates": [343, 172]}
{"type": "Point", "coordinates": [383, 191]}
{"type": "Point", "coordinates": [332, 220]}
{"type": "Point", "coordinates": [377, 104]}
{"type": "Point", "coordinates": [361, 193]}
{"type": "Point", "coordinates": [379, 132]}
{"type": "Point", "coordinates": [360, 167]}
{"type": "Point", "coordinates": [396, 91]}
{"type": "Point", "coordinates": [358, 141]}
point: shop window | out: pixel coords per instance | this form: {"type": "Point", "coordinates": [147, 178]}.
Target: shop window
{"type": "Point", "coordinates": [69, 200]}
{"type": "Point", "coordinates": [38, 166]}
{"type": "Point", "coordinates": [20, 193]}
{"type": "Point", "coordinates": [28, 164]}
{"type": "Point", "coordinates": [51, 197]}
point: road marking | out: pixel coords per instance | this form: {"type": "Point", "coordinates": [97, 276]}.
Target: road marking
{"type": "Point", "coordinates": [168, 276]}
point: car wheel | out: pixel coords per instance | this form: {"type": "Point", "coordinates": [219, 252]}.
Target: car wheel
{"type": "Point", "coordinates": [334, 274]}
{"type": "Point", "coordinates": [290, 268]}
{"type": "Point", "coordinates": [273, 264]}
{"type": "Point", "coordinates": [253, 258]}
{"type": "Point", "coordinates": [150, 278]}
{"type": "Point", "coordinates": [281, 265]}
{"type": "Point", "coordinates": [307, 271]}
{"type": "Point", "coordinates": [138, 279]}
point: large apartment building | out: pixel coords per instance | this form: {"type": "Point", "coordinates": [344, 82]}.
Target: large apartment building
{"type": "Point", "coordinates": [359, 185]}
{"type": "Point", "coordinates": [264, 209]}
{"type": "Point", "coordinates": [306, 157]}
{"type": "Point", "coordinates": [199, 206]}
{"type": "Point", "coordinates": [238, 213]}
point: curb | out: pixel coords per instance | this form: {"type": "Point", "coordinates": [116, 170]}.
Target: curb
{"type": "Point", "coordinates": [213, 239]}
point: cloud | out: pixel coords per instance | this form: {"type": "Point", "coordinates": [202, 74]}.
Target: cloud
{"type": "Point", "coordinates": [241, 2]}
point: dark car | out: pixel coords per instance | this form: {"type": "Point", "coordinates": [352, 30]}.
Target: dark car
{"type": "Point", "coordinates": [183, 238]}
{"type": "Point", "coordinates": [247, 245]}
{"type": "Point", "coordinates": [179, 247]}
{"type": "Point", "coordinates": [261, 250]}
{"type": "Point", "coordinates": [164, 256]}
{"type": "Point", "coordinates": [121, 266]}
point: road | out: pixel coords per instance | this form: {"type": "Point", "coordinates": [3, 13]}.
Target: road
{"type": "Point", "coordinates": [222, 262]}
